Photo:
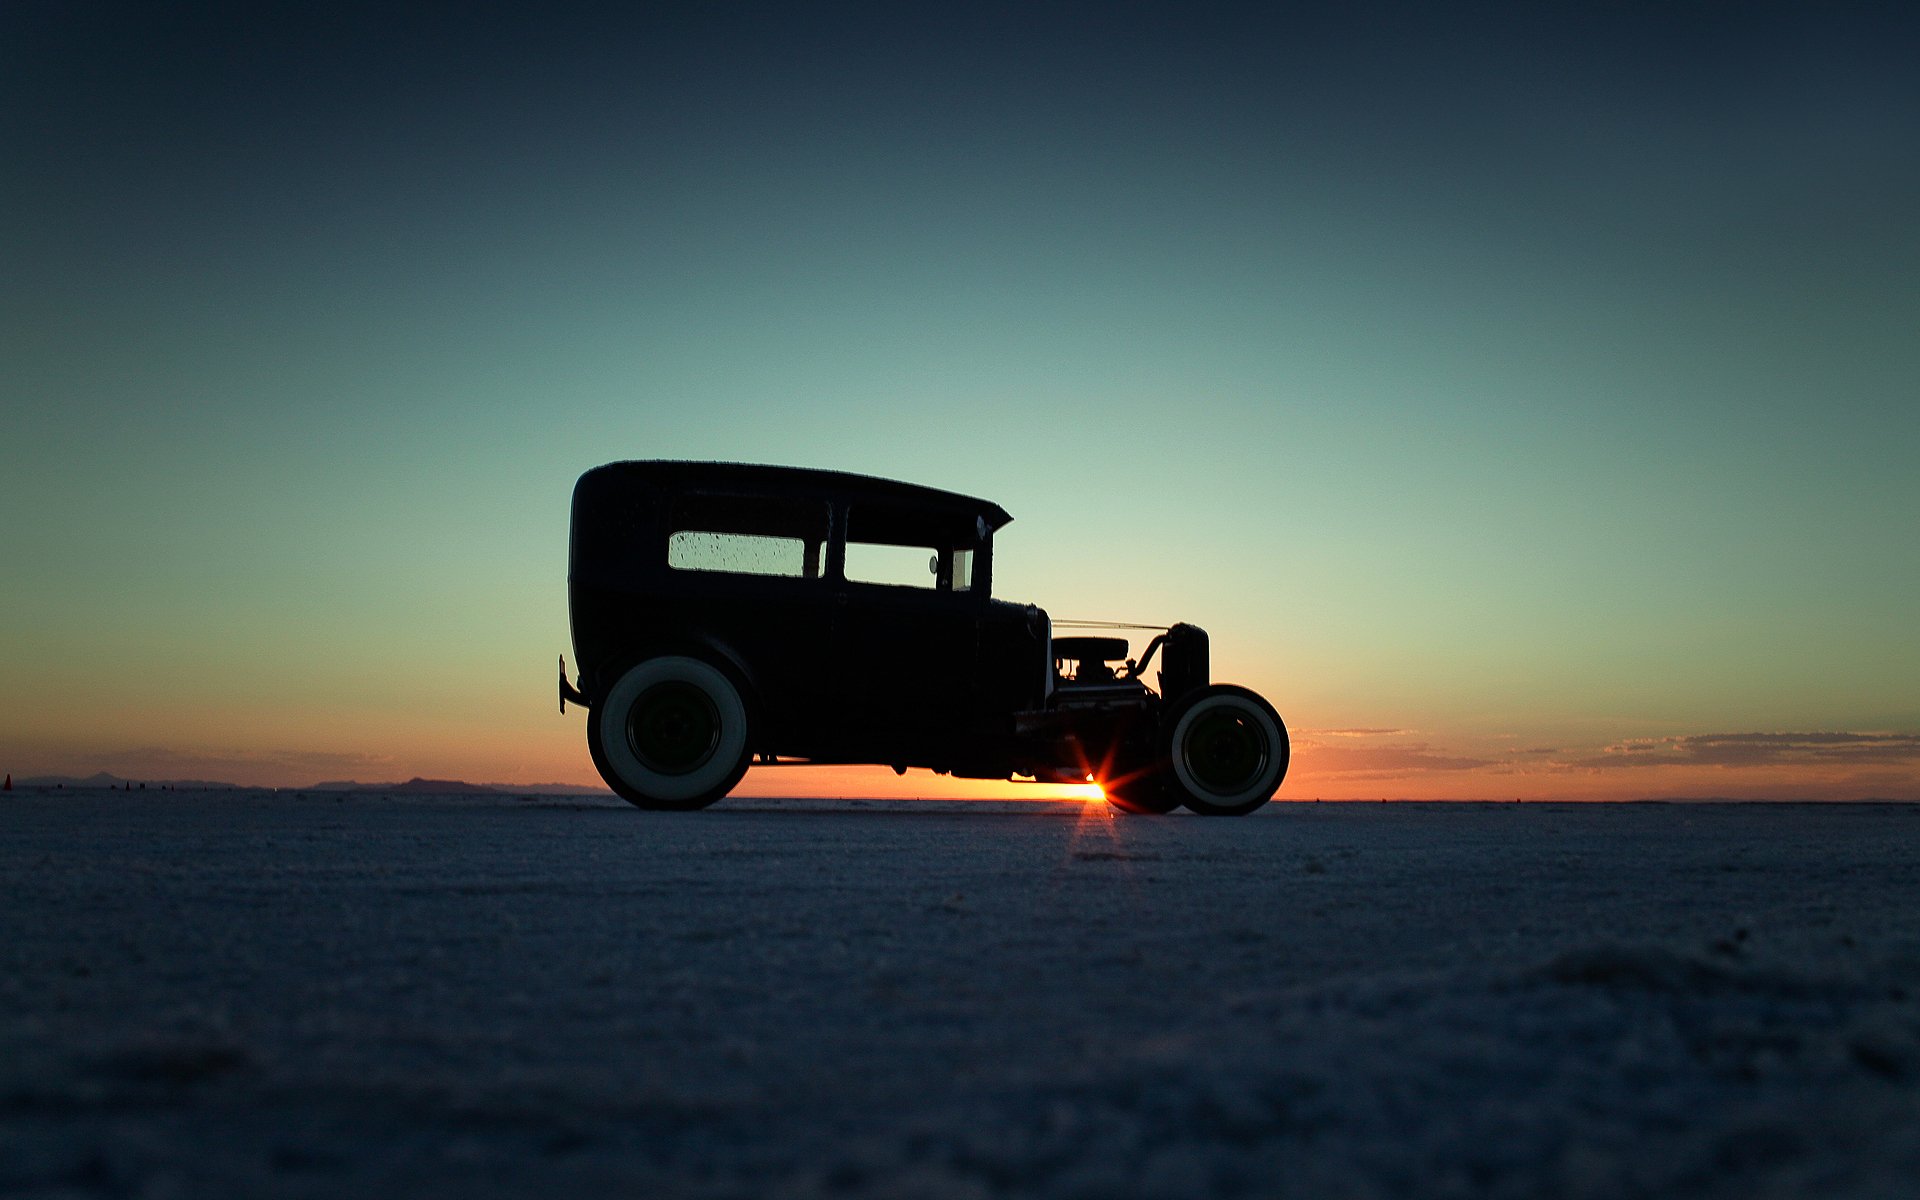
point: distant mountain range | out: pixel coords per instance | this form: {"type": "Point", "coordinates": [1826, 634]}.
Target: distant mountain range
{"type": "Point", "coordinates": [104, 779]}
{"type": "Point", "coordinates": [414, 787]}
{"type": "Point", "coordinates": [450, 787]}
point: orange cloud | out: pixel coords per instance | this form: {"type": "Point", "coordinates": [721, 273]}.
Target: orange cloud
{"type": "Point", "coordinates": [1760, 750]}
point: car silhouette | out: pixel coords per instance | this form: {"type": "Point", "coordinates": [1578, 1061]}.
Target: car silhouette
{"type": "Point", "coordinates": [727, 614]}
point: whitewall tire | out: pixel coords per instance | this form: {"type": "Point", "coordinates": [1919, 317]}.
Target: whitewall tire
{"type": "Point", "coordinates": [671, 733]}
{"type": "Point", "coordinates": [1227, 749]}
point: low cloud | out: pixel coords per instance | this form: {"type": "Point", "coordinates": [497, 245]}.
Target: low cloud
{"type": "Point", "coordinates": [1354, 733]}
{"type": "Point", "coordinates": [1361, 754]}
{"type": "Point", "coordinates": [1761, 750]}
{"type": "Point", "coordinates": [1418, 756]}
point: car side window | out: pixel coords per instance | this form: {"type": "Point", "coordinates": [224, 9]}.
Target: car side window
{"type": "Point", "coordinates": [906, 546]}
{"type": "Point", "coordinates": [738, 553]}
{"type": "Point", "coordinates": [900, 566]}
{"type": "Point", "coordinates": [747, 535]}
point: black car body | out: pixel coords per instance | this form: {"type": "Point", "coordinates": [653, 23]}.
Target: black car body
{"type": "Point", "coordinates": [726, 614]}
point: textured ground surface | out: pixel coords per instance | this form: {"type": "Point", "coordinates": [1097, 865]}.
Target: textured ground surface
{"type": "Point", "coordinates": [207, 995]}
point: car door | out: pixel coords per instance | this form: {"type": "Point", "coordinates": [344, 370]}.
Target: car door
{"type": "Point", "coordinates": [904, 649]}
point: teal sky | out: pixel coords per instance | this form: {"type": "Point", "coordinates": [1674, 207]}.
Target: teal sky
{"type": "Point", "coordinates": [1512, 396]}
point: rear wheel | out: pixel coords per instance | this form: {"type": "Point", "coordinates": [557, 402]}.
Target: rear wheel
{"type": "Point", "coordinates": [1227, 750]}
{"type": "Point", "coordinates": [671, 733]}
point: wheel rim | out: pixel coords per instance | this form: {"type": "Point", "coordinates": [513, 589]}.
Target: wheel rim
{"type": "Point", "coordinates": [673, 728]}
{"type": "Point", "coordinates": [1225, 751]}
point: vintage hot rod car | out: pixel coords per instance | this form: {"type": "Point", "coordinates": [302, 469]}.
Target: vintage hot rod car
{"type": "Point", "coordinates": [727, 614]}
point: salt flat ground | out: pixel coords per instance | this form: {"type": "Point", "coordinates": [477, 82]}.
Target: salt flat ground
{"type": "Point", "coordinates": [210, 994]}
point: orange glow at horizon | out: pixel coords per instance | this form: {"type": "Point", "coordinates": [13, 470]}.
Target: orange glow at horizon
{"type": "Point", "coordinates": [262, 744]}
{"type": "Point", "coordinates": [880, 783]}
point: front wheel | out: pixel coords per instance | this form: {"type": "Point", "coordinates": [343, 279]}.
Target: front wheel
{"type": "Point", "coordinates": [1226, 749]}
{"type": "Point", "coordinates": [671, 733]}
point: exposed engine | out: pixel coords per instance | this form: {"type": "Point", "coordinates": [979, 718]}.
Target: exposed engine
{"type": "Point", "coordinates": [1084, 670]}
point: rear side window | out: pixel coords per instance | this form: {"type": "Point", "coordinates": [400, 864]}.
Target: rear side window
{"type": "Point", "coordinates": [747, 535]}
{"type": "Point", "coordinates": [740, 553]}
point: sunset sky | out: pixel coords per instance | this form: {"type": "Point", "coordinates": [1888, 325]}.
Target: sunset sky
{"type": "Point", "coordinates": [1524, 400]}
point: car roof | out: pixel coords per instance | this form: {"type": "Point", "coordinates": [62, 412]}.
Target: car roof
{"type": "Point", "coordinates": [796, 482]}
